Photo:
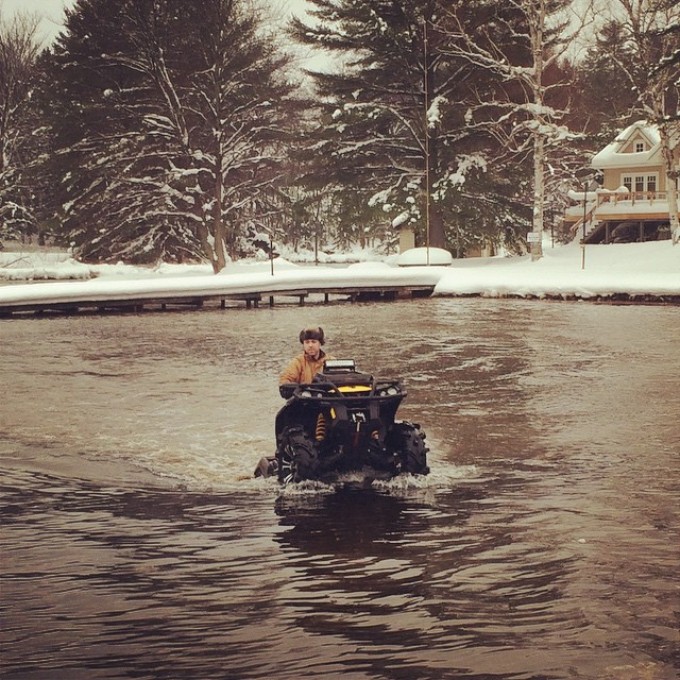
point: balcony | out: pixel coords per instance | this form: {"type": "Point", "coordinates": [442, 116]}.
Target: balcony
{"type": "Point", "coordinates": [615, 216]}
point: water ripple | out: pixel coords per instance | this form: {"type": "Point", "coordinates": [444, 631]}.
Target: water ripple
{"type": "Point", "coordinates": [544, 545]}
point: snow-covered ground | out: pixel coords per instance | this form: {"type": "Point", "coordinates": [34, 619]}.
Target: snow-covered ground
{"type": "Point", "coordinates": [635, 269]}
{"type": "Point", "coordinates": [35, 264]}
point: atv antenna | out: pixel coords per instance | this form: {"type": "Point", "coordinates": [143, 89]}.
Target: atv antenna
{"type": "Point", "coordinates": [427, 143]}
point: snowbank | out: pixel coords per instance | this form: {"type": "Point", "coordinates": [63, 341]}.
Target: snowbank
{"type": "Point", "coordinates": [632, 269]}
{"type": "Point", "coordinates": [424, 256]}
{"type": "Point", "coordinates": [41, 265]}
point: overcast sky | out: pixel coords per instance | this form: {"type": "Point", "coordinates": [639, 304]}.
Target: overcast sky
{"type": "Point", "coordinates": [51, 12]}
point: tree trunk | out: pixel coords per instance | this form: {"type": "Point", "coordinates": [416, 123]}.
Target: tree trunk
{"type": "Point", "coordinates": [206, 242]}
{"type": "Point", "coordinates": [539, 193]}
{"type": "Point", "coordinates": [675, 223]}
{"type": "Point", "coordinates": [219, 233]}
{"type": "Point", "coordinates": [672, 192]}
{"type": "Point", "coordinates": [436, 238]}
{"type": "Point", "coordinates": [537, 28]}
{"type": "Point", "coordinates": [671, 182]}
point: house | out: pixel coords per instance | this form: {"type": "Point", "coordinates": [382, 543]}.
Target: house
{"type": "Point", "coordinates": [631, 203]}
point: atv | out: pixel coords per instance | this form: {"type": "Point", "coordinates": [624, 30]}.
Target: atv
{"type": "Point", "coordinates": [344, 421]}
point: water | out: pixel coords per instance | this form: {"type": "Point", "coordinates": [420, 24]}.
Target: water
{"type": "Point", "coordinates": [135, 543]}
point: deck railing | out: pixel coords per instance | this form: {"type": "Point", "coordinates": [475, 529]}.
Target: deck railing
{"type": "Point", "coordinates": [588, 219]}
{"type": "Point", "coordinates": [631, 197]}
{"type": "Point", "coordinates": [603, 202]}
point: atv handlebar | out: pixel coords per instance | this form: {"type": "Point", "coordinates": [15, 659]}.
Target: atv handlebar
{"type": "Point", "coordinates": [286, 390]}
{"type": "Point", "coordinates": [303, 390]}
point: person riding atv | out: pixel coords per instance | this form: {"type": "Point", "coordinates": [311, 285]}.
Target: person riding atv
{"type": "Point", "coordinates": [343, 420]}
{"type": "Point", "coordinates": [303, 367]}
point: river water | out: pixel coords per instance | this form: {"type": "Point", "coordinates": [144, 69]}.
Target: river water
{"type": "Point", "coordinates": [544, 544]}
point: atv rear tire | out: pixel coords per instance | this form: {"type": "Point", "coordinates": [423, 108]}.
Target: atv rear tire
{"type": "Point", "coordinates": [408, 440]}
{"type": "Point", "coordinates": [297, 456]}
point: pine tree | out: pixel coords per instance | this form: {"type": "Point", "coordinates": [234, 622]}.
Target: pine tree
{"type": "Point", "coordinates": [169, 123]}
{"type": "Point", "coordinates": [406, 122]}
{"type": "Point", "coordinates": [391, 123]}
{"type": "Point", "coordinates": [603, 104]}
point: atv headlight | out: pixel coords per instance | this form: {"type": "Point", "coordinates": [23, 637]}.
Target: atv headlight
{"type": "Point", "coordinates": [305, 394]}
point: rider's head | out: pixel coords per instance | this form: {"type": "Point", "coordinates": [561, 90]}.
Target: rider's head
{"type": "Point", "coordinates": [314, 333]}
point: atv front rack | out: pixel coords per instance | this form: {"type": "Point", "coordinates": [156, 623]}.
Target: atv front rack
{"type": "Point", "coordinates": [343, 389]}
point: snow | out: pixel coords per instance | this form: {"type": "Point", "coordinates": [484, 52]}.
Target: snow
{"type": "Point", "coordinates": [434, 113]}
{"type": "Point", "coordinates": [400, 219]}
{"type": "Point", "coordinates": [634, 269]}
{"type": "Point", "coordinates": [424, 256]}
{"type": "Point", "coordinates": [35, 265]}
{"type": "Point", "coordinates": [613, 157]}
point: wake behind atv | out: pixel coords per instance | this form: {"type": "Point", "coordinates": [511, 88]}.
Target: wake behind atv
{"type": "Point", "coordinates": [345, 421]}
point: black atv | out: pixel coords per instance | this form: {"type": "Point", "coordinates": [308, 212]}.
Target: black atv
{"type": "Point", "coordinates": [342, 422]}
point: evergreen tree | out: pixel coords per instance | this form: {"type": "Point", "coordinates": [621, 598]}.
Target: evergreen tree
{"type": "Point", "coordinates": [168, 123]}
{"type": "Point", "coordinates": [460, 102]}
{"type": "Point", "coordinates": [393, 128]}
{"type": "Point", "coordinates": [604, 102]}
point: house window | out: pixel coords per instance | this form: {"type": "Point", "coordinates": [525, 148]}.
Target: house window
{"type": "Point", "coordinates": [641, 183]}
{"type": "Point", "coordinates": [639, 147]}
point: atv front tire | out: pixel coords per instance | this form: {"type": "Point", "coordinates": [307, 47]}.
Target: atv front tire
{"type": "Point", "coordinates": [297, 456]}
{"type": "Point", "coordinates": [408, 440]}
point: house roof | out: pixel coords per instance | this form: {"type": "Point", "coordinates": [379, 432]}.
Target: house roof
{"type": "Point", "coordinates": [614, 156]}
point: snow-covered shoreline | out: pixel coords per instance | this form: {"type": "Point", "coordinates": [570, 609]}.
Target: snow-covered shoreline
{"type": "Point", "coordinates": [636, 270]}
{"type": "Point", "coordinates": [639, 271]}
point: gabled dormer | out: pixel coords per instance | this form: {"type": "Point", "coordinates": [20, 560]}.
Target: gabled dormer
{"type": "Point", "coordinates": [641, 140]}
{"type": "Point", "coordinates": [638, 145]}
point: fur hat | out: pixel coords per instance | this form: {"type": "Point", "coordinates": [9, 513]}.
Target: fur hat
{"type": "Point", "coordinates": [314, 333]}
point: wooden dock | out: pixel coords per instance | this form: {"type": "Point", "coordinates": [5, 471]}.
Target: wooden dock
{"type": "Point", "coordinates": [89, 302]}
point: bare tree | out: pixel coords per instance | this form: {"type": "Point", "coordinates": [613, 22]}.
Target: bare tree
{"type": "Point", "coordinates": [523, 48]}
{"type": "Point", "coordinates": [652, 30]}
{"type": "Point", "coordinates": [19, 51]}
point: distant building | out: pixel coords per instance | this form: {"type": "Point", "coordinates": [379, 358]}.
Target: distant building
{"type": "Point", "coordinates": [407, 236]}
{"type": "Point", "coordinates": [631, 203]}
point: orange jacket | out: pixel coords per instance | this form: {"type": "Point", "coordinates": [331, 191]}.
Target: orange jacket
{"type": "Point", "coordinates": [302, 369]}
